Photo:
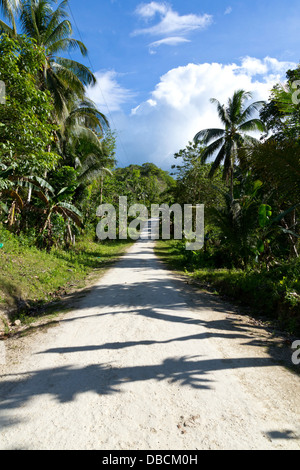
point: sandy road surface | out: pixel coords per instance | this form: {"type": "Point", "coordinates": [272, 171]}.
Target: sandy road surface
{"type": "Point", "coordinates": [142, 362]}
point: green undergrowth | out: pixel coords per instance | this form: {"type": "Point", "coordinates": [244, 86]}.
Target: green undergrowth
{"type": "Point", "coordinates": [273, 293]}
{"type": "Point", "coordinates": [30, 277]}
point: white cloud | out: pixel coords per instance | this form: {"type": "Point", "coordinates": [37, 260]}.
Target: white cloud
{"type": "Point", "coordinates": [180, 106]}
{"type": "Point", "coordinates": [171, 41]}
{"type": "Point", "coordinates": [108, 95]}
{"type": "Point", "coordinates": [268, 65]}
{"type": "Point", "coordinates": [148, 10]}
{"type": "Point", "coordinates": [170, 22]}
{"type": "Point", "coordinates": [228, 11]}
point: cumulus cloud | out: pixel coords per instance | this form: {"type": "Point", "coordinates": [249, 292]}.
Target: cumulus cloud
{"type": "Point", "coordinates": [268, 65]}
{"type": "Point", "coordinates": [180, 106]}
{"type": "Point", "coordinates": [170, 23]}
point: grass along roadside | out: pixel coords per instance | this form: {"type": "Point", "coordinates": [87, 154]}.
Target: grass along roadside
{"type": "Point", "coordinates": [273, 295]}
{"type": "Point", "coordinates": [32, 280]}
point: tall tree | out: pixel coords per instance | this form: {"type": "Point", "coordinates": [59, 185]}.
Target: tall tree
{"type": "Point", "coordinates": [237, 120]}
{"type": "Point", "coordinates": [51, 29]}
{"type": "Point", "coordinates": [65, 78]}
{"type": "Point", "coordinates": [80, 140]}
{"type": "Point", "coordinates": [10, 8]}
{"type": "Point", "coordinates": [26, 127]}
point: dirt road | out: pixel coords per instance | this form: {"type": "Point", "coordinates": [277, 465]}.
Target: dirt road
{"type": "Point", "coordinates": [146, 362]}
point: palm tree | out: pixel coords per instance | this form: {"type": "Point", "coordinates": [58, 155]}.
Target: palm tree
{"type": "Point", "coordinates": [51, 29]}
{"type": "Point", "coordinates": [227, 142]}
{"type": "Point", "coordinates": [80, 139]}
{"type": "Point", "coordinates": [65, 78]}
{"type": "Point", "coordinates": [9, 9]}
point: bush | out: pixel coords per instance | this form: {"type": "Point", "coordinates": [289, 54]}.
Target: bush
{"type": "Point", "coordinates": [275, 293]}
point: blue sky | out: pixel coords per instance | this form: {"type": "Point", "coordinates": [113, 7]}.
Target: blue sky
{"type": "Point", "coordinates": [257, 28]}
{"type": "Point", "coordinates": [159, 62]}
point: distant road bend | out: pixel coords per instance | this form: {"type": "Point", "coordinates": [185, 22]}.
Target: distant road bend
{"type": "Point", "coordinates": [146, 362]}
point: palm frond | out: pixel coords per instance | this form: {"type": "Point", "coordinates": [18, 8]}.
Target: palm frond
{"type": "Point", "coordinates": [207, 135]}
{"type": "Point", "coordinates": [10, 8]}
{"type": "Point", "coordinates": [222, 112]}
{"type": "Point", "coordinates": [69, 79]}
{"type": "Point", "coordinates": [66, 44]}
{"type": "Point", "coordinates": [89, 116]}
{"type": "Point", "coordinates": [86, 135]}
{"type": "Point", "coordinates": [217, 162]}
{"type": "Point", "coordinates": [235, 104]}
{"type": "Point", "coordinates": [93, 170]}
{"type": "Point", "coordinates": [61, 31]}
{"type": "Point", "coordinates": [252, 125]}
{"type": "Point", "coordinates": [59, 15]}
{"type": "Point", "coordinates": [250, 110]}
{"type": "Point", "coordinates": [211, 149]}
{"type": "Point", "coordinates": [81, 71]}
{"type": "Point", "coordinates": [5, 28]}
{"type": "Point", "coordinates": [60, 92]}
{"type": "Point", "coordinates": [34, 17]}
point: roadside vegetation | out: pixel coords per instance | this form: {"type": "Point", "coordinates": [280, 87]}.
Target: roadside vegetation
{"type": "Point", "coordinates": [270, 294]}
{"type": "Point", "coordinates": [58, 163]}
{"type": "Point", "coordinates": [34, 281]}
{"type": "Point", "coordinates": [251, 193]}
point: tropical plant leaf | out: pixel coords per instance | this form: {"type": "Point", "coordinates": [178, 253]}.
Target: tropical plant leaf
{"type": "Point", "coordinates": [284, 213]}
{"type": "Point", "coordinates": [15, 196]}
{"type": "Point", "coordinates": [69, 211]}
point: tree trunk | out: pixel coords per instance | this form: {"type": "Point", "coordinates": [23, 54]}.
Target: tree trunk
{"type": "Point", "coordinates": [290, 237]}
{"type": "Point", "coordinates": [29, 194]}
{"type": "Point", "coordinates": [231, 182]}
{"type": "Point", "coordinates": [11, 217]}
{"type": "Point", "coordinates": [46, 222]}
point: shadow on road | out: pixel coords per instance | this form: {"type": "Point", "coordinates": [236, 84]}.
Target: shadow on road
{"type": "Point", "coordinates": [116, 299]}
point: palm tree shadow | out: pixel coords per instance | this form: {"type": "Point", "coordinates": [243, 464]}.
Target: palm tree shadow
{"type": "Point", "coordinates": [65, 383]}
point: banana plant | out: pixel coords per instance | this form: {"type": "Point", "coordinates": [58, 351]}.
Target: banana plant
{"type": "Point", "coordinates": [44, 191]}
{"type": "Point", "coordinates": [269, 224]}
{"type": "Point", "coordinates": [56, 205]}
{"type": "Point", "coordinates": [10, 185]}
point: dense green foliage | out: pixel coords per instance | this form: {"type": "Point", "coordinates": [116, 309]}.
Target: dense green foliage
{"type": "Point", "coordinates": [58, 164]}
{"type": "Point", "coordinates": [251, 249]}
{"type": "Point", "coordinates": [273, 294]}
{"type": "Point", "coordinates": [27, 130]}
{"type": "Point", "coordinates": [55, 148]}
{"type": "Point", "coordinates": [53, 141]}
